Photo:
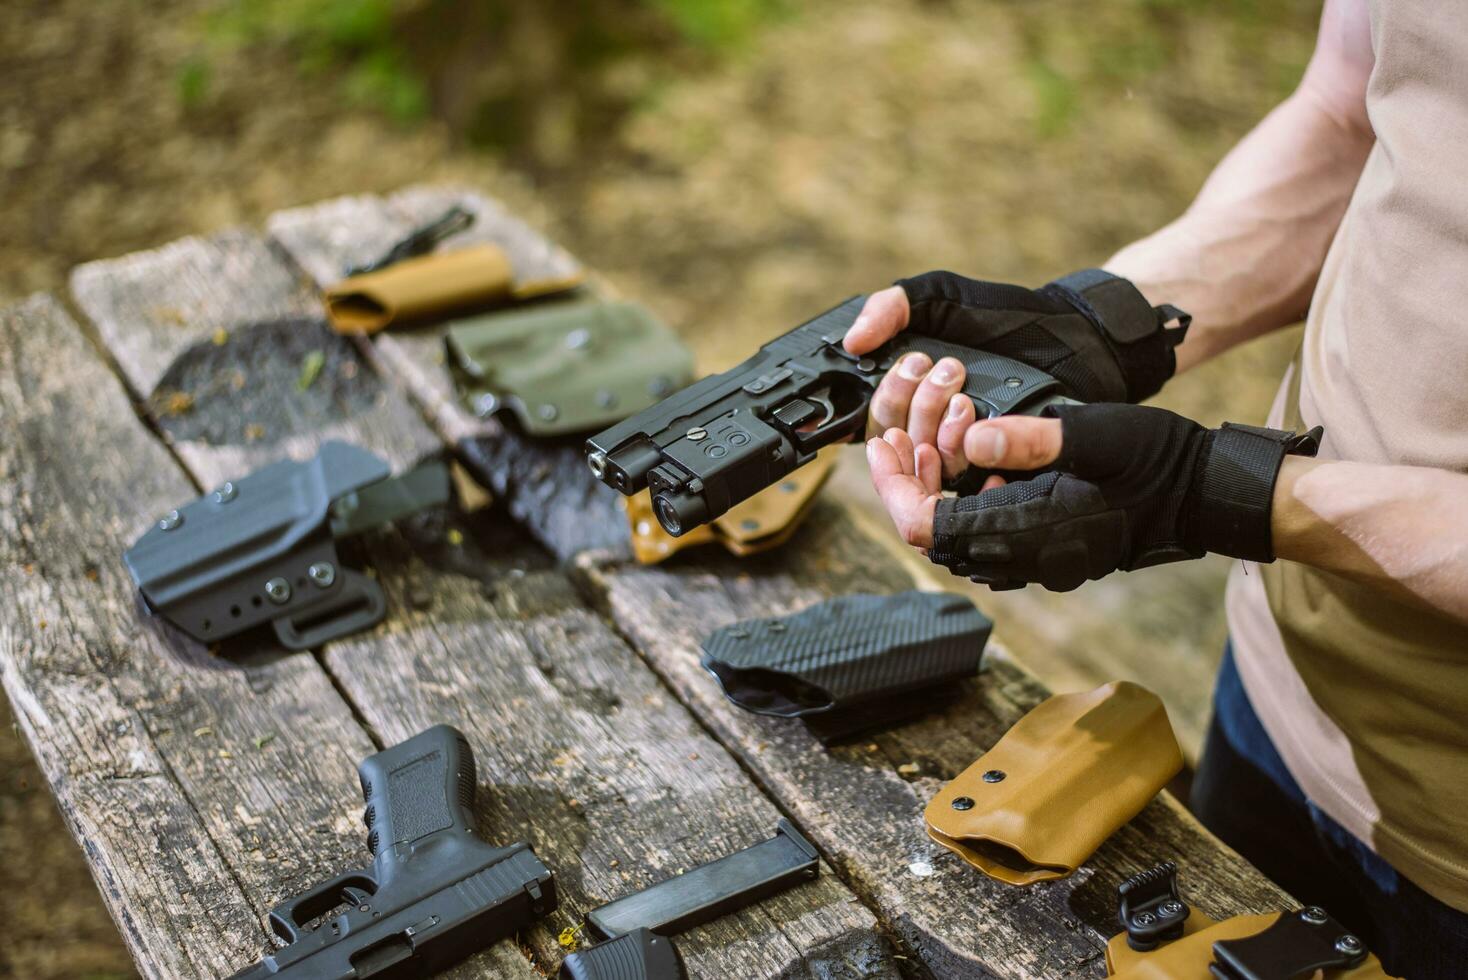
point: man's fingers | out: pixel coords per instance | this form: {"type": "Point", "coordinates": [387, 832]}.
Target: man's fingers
{"type": "Point", "coordinates": [931, 399]}
{"type": "Point", "coordinates": [929, 467]}
{"type": "Point", "coordinates": [956, 422]}
{"type": "Point", "coordinates": [893, 397]}
{"type": "Point", "coordinates": [1013, 442]}
{"type": "Point", "coordinates": [884, 315]}
{"type": "Point", "coordinates": [906, 499]}
{"type": "Point", "coordinates": [902, 445]}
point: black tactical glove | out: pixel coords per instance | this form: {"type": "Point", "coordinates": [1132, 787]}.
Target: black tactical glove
{"type": "Point", "coordinates": [1092, 331]}
{"type": "Point", "coordinates": [1133, 486]}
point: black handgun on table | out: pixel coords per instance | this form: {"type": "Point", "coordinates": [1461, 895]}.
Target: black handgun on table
{"type": "Point", "coordinates": [727, 437]}
{"type": "Point", "coordinates": [435, 892]}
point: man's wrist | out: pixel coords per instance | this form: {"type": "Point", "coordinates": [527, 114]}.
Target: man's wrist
{"type": "Point", "coordinates": [1292, 524]}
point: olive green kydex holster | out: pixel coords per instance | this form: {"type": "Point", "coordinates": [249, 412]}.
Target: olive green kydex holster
{"type": "Point", "coordinates": [566, 367]}
{"type": "Point", "coordinates": [1057, 784]}
{"type": "Point", "coordinates": [433, 286]}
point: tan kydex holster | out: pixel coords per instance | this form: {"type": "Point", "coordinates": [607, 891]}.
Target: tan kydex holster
{"type": "Point", "coordinates": [433, 286]}
{"type": "Point", "coordinates": [1057, 784]}
{"type": "Point", "coordinates": [764, 521]}
{"type": "Point", "coordinates": [1188, 958]}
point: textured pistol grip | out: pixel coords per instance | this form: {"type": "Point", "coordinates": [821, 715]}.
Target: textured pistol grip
{"type": "Point", "coordinates": [416, 790]}
{"type": "Point", "coordinates": [997, 385]}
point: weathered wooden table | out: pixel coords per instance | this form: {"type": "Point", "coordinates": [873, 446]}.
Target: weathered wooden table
{"type": "Point", "coordinates": [205, 789]}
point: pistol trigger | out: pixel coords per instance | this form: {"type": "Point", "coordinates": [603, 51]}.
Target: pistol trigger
{"type": "Point", "coordinates": [355, 896]}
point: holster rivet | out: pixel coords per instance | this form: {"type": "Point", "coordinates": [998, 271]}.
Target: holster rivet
{"type": "Point", "coordinates": [170, 520]}
{"type": "Point", "coordinates": [323, 573]}
{"type": "Point", "coordinates": [225, 493]}
{"type": "Point", "coordinates": [963, 803]}
{"type": "Point", "coordinates": [1349, 945]}
{"type": "Point", "coordinates": [995, 776]}
{"type": "Point", "coordinates": [1012, 382]}
{"type": "Point", "coordinates": [1314, 914]}
{"type": "Point", "coordinates": [278, 590]}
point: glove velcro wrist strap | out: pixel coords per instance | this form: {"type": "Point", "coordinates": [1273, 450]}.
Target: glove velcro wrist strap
{"type": "Point", "coordinates": [1135, 331]}
{"type": "Point", "coordinates": [1236, 497]}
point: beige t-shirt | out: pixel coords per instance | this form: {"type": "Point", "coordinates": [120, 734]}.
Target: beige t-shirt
{"type": "Point", "coordinates": [1365, 697]}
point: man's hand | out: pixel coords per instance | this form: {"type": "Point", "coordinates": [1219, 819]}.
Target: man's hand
{"type": "Point", "coordinates": [1116, 487]}
{"type": "Point", "coordinates": [1093, 332]}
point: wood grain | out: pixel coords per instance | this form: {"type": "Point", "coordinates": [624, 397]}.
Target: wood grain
{"type": "Point", "coordinates": [228, 324]}
{"type": "Point", "coordinates": [479, 629]}
{"type": "Point", "coordinates": [583, 750]}
{"type": "Point", "coordinates": [201, 791]}
{"type": "Point", "coordinates": [867, 815]}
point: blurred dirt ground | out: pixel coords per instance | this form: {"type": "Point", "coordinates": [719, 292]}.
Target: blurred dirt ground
{"type": "Point", "coordinates": [847, 143]}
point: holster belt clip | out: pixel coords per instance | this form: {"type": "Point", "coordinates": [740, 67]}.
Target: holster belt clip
{"type": "Point", "coordinates": [1151, 910]}
{"type": "Point", "coordinates": [1295, 946]}
{"type": "Point", "coordinates": [264, 548]}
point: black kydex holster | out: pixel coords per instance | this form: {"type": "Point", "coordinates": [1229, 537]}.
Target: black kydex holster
{"type": "Point", "coordinates": [436, 891]}
{"type": "Point", "coordinates": [264, 548]}
{"type": "Point", "coordinates": [852, 663]}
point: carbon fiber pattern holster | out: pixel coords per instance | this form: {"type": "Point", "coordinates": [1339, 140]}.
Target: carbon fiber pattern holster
{"type": "Point", "coordinates": [842, 656]}
{"type": "Point", "coordinates": [1057, 784]}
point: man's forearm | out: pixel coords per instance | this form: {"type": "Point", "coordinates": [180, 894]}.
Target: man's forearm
{"type": "Point", "coordinates": [1245, 256]}
{"type": "Point", "coordinates": [1402, 528]}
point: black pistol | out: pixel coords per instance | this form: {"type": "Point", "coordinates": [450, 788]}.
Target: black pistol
{"type": "Point", "coordinates": [727, 437]}
{"type": "Point", "coordinates": [435, 892]}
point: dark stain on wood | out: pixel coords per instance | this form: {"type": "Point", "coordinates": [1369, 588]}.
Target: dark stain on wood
{"type": "Point", "coordinates": [263, 382]}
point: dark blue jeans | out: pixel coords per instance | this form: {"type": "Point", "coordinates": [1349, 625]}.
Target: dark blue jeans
{"type": "Point", "coordinates": [1244, 794]}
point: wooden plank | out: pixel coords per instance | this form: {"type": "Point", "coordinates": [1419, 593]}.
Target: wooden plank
{"type": "Point", "coordinates": [613, 782]}
{"type": "Point", "coordinates": [474, 640]}
{"type": "Point", "coordinates": [148, 741]}
{"type": "Point", "coordinates": [543, 483]}
{"type": "Point", "coordinates": [158, 312]}
{"type": "Point", "coordinates": [864, 813]}
{"type": "Point", "coordinates": [214, 334]}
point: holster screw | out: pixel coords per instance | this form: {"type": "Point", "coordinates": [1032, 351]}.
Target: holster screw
{"type": "Point", "coordinates": [278, 590]}
{"type": "Point", "coordinates": [170, 520]}
{"type": "Point", "coordinates": [323, 573]}
{"type": "Point", "coordinates": [995, 776]}
{"type": "Point", "coordinates": [963, 803]}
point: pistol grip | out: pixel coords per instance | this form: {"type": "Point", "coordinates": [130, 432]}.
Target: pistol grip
{"type": "Point", "coordinates": [997, 385]}
{"type": "Point", "coordinates": [418, 789]}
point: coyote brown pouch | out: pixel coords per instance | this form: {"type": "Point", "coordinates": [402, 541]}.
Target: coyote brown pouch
{"type": "Point", "coordinates": [432, 286]}
{"type": "Point", "coordinates": [1193, 957]}
{"type": "Point", "coordinates": [1057, 784]}
{"type": "Point", "coordinates": [764, 521]}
